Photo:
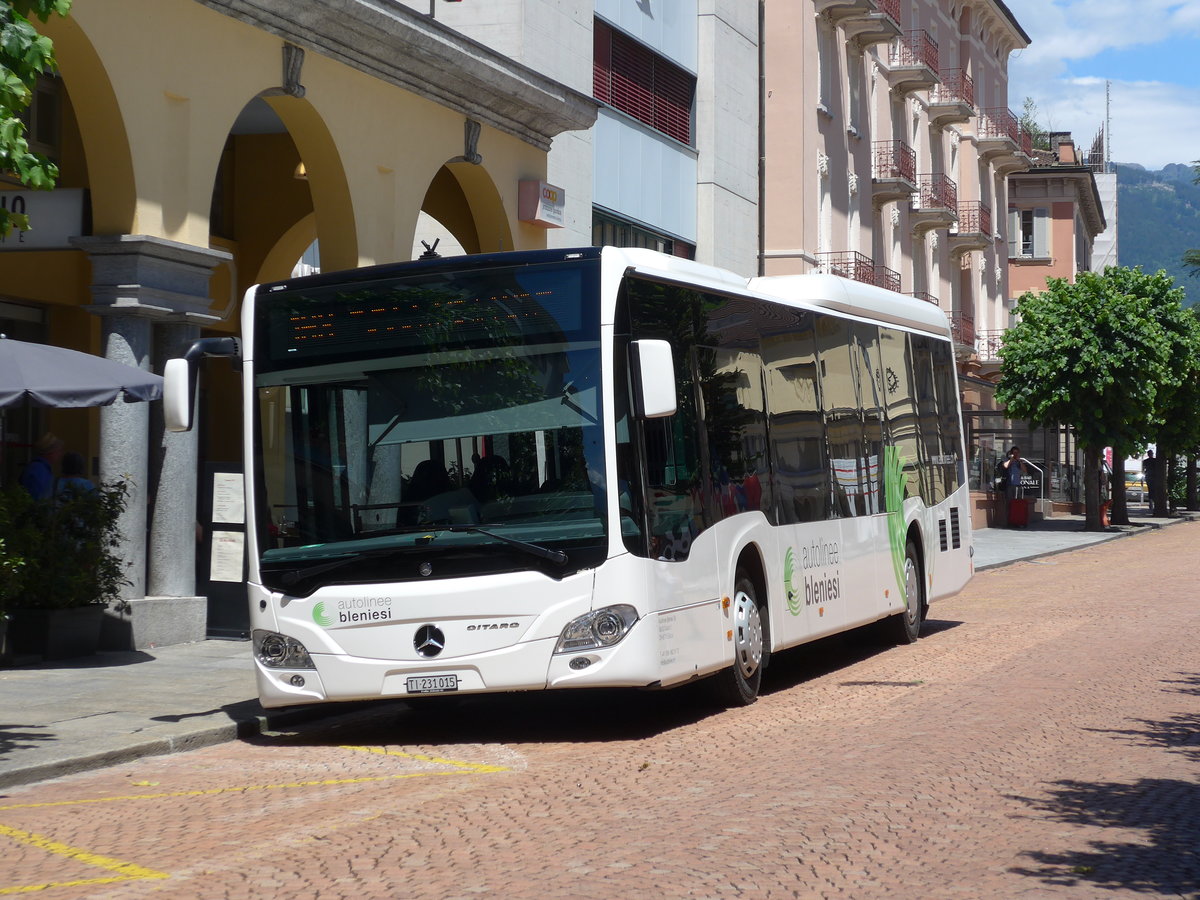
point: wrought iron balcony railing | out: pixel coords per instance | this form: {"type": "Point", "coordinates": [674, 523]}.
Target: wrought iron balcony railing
{"type": "Point", "coordinates": [915, 48]}
{"type": "Point", "coordinates": [988, 343]}
{"type": "Point", "coordinates": [894, 159]}
{"type": "Point", "coordinates": [974, 217]}
{"type": "Point", "coordinates": [956, 87]}
{"type": "Point", "coordinates": [962, 328]}
{"type": "Point", "coordinates": [858, 267]}
{"type": "Point", "coordinates": [924, 295]}
{"type": "Point", "coordinates": [937, 191]}
{"type": "Point", "coordinates": [999, 122]}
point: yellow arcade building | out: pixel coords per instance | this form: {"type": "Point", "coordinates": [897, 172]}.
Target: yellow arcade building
{"type": "Point", "coordinates": [203, 147]}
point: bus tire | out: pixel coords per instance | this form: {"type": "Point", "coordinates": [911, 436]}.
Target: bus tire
{"type": "Point", "coordinates": [905, 627]}
{"type": "Point", "coordinates": [738, 685]}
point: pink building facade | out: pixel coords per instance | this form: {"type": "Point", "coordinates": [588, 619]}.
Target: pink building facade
{"type": "Point", "coordinates": [887, 144]}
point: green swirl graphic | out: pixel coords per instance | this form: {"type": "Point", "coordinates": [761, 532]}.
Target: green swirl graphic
{"type": "Point", "coordinates": [789, 569]}
{"type": "Point", "coordinates": [320, 616]}
{"type": "Point", "coordinates": [893, 490]}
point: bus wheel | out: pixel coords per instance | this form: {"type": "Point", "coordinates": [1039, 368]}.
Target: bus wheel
{"type": "Point", "coordinates": [738, 685]}
{"type": "Point", "coordinates": [906, 626]}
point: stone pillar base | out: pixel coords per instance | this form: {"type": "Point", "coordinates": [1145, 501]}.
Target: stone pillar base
{"type": "Point", "coordinates": [150, 622]}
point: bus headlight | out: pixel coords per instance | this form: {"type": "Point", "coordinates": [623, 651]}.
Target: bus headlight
{"type": "Point", "coordinates": [278, 651]}
{"type": "Point", "coordinates": [599, 628]}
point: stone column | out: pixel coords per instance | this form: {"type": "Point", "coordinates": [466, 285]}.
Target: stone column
{"type": "Point", "coordinates": [137, 281]}
{"type": "Point", "coordinates": [123, 444]}
{"type": "Point", "coordinates": [175, 462]}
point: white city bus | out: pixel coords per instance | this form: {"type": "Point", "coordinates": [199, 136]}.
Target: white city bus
{"type": "Point", "coordinates": [584, 468]}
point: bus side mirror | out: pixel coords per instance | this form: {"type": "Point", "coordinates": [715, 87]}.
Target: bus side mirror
{"type": "Point", "coordinates": [180, 376]}
{"type": "Point", "coordinates": [178, 394]}
{"type": "Point", "coordinates": [653, 378]}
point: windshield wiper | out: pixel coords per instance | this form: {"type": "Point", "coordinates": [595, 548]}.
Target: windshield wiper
{"type": "Point", "coordinates": [350, 557]}
{"type": "Point", "coordinates": [344, 559]}
{"type": "Point", "coordinates": [555, 556]}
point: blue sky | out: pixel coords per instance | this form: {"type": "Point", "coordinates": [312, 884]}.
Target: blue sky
{"type": "Point", "coordinates": [1149, 50]}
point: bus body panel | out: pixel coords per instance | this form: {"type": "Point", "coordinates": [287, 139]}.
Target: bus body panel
{"type": "Point", "coordinates": [501, 630]}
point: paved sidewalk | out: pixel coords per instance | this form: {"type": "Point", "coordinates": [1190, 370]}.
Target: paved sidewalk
{"type": "Point", "coordinates": [65, 717]}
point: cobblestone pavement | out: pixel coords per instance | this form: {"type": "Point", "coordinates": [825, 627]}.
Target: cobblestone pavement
{"type": "Point", "coordinates": [1042, 741]}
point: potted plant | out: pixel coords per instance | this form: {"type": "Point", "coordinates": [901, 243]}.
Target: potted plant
{"type": "Point", "coordinates": [11, 567]}
{"type": "Point", "coordinates": [64, 568]}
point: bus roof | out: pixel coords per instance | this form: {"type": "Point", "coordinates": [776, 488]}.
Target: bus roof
{"type": "Point", "coordinates": [812, 290]}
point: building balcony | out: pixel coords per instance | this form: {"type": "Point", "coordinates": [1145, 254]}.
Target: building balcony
{"type": "Point", "coordinates": [1002, 142]}
{"type": "Point", "coordinates": [858, 267]}
{"type": "Point", "coordinates": [962, 328]}
{"type": "Point", "coordinates": [893, 171]}
{"type": "Point", "coordinates": [973, 230]}
{"type": "Point", "coordinates": [953, 101]}
{"type": "Point", "coordinates": [913, 62]}
{"type": "Point", "coordinates": [866, 22]}
{"type": "Point", "coordinates": [935, 204]}
{"type": "Point", "coordinates": [988, 344]}
{"type": "Point", "coordinates": [924, 295]}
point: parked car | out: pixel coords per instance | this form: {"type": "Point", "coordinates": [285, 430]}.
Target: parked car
{"type": "Point", "coordinates": [1135, 487]}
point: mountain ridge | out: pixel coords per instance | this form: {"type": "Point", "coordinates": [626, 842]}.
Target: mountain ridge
{"type": "Point", "coordinates": [1158, 220]}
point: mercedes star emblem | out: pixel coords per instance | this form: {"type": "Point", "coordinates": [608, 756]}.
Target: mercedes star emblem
{"type": "Point", "coordinates": [429, 640]}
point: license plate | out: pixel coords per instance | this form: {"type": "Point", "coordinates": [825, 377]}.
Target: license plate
{"type": "Point", "coordinates": [431, 684]}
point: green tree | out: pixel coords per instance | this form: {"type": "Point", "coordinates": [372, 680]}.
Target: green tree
{"type": "Point", "coordinates": [24, 55]}
{"type": "Point", "coordinates": [1091, 355]}
{"type": "Point", "coordinates": [1179, 433]}
{"type": "Point", "coordinates": [1191, 259]}
{"type": "Point", "coordinates": [1172, 422]}
{"type": "Point", "coordinates": [1028, 121]}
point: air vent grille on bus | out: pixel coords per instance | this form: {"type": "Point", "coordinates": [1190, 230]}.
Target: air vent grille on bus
{"type": "Point", "coordinates": [942, 535]}
{"type": "Point", "coordinates": [955, 529]}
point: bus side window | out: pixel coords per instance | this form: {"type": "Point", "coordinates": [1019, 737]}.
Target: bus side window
{"type": "Point", "coordinates": [734, 422]}
{"type": "Point", "coordinates": [673, 496]}
{"type": "Point", "coordinates": [900, 405]}
{"type": "Point", "coordinates": [796, 428]}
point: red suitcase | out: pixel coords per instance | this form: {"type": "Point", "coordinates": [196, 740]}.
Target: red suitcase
{"type": "Point", "coordinates": [1018, 513]}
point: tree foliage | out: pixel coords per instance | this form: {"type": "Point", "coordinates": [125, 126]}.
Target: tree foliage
{"type": "Point", "coordinates": [24, 55]}
{"type": "Point", "coordinates": [1191, 259]}
{"type": "Point", "coordinates": [1101, 355]}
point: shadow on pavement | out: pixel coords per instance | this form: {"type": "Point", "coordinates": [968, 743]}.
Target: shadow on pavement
{"type": "Point", "coordinates": [14, 736]}
{"type": "Point", "coordinates": [1164, 859]}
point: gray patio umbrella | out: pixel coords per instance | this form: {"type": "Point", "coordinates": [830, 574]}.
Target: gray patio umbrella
{"type": "Point", "coordinates": [54, 376]}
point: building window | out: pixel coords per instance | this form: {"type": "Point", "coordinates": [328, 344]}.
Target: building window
{"type": "Point", "coordinates": [610, 231]}
{"type": "Point", "coordinates": [1029, 233]}
{"type": "Point", "coordinates": [632, 78]}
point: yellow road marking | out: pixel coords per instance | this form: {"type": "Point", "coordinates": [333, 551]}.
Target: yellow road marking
{"type": "Point", "coordinates": [125, 871]}
{"type": "Point", "coordinates": [129, 871]}
{"type": "Point", "coordinates": [460, 767]}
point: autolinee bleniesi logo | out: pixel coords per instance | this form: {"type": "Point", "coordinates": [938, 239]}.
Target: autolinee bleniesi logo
{"type": "Point", "coordinates": [352, 610]}
{"type": "Point", "coordinates": [789, 570]}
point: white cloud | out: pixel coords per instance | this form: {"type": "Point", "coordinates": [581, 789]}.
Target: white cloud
{"type": "Point", "coordinates": [1153, 124]}
{"type": "Point", "coordinates": [1077, 29]}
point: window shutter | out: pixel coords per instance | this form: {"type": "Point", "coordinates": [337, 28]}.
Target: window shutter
{"type": "Point", "coordinates": [1014, 233]}
{"type": "Point", "coordinates": [1041, 233]}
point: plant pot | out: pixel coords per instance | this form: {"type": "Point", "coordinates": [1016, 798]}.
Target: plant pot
{"type": "Point", "coordinates": [55, 633]}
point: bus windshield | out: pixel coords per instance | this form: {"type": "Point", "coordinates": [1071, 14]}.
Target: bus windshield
{"type": "Point", "coordinates": [452, 417]}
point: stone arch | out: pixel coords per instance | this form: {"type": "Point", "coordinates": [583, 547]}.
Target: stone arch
{"type": "Point", "coordinates": [283, 185]}
{"type": "Point", "coordinates": [281, 258]}
{"type": "Point", "coordinates": [326, 176]}
{"type": "Point", "coordinates": [464, 198]}
{"type": "Point", "coordinates": [106, 149]}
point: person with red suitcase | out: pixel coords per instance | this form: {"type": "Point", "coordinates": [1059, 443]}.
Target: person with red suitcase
{"type": "Point", "coordinates": [1018, 506]}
